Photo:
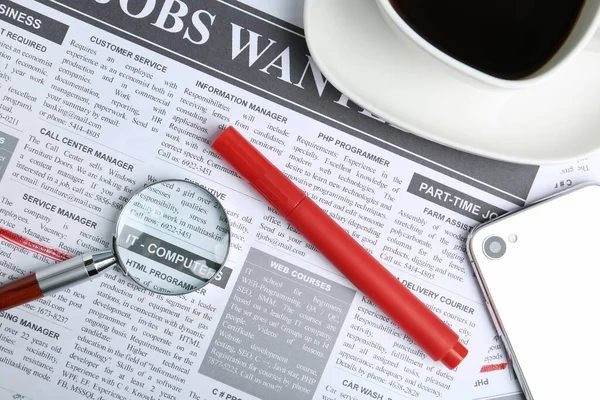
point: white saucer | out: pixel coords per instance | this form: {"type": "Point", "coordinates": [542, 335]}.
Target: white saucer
{"type": "Point", "coordinates": [555, 121]}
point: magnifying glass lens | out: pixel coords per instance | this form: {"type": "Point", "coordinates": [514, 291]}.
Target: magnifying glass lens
{"type": "Point", "coordinates": [172, 237]}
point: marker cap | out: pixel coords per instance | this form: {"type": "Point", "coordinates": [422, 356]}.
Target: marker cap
{"type": "Point", "coordinates": [259, 172]}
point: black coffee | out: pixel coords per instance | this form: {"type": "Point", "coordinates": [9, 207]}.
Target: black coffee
{"type": "Point", "coordinates": [508, 39]}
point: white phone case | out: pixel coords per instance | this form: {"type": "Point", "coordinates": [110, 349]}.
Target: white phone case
{"type": "Point", "coordinates": [544, 292]}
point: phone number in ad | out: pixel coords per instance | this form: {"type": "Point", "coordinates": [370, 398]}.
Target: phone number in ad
{"type": "Point", "coordinates": [9, 119]}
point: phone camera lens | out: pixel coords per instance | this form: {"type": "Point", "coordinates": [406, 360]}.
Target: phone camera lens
{"type": "Point", "coordinates": [494, 247]}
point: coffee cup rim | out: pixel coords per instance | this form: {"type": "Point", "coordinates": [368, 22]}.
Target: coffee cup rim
{"type": "Point", "coordinates": [542, 74]}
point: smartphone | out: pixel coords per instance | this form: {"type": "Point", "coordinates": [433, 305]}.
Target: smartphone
{"type": "Point", "coordinates": [539, 272]}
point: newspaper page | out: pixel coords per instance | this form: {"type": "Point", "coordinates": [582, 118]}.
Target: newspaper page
{"type": "Point", "coordinates": [553, 179]}
{"type": "Point", "coordinates": [102, 97]}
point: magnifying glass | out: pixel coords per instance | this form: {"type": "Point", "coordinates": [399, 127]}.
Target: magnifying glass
{"type": "Point", "coordinates": [172, 238]}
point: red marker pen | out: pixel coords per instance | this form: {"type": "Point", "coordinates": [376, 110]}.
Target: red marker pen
{"type": "Point", "coordinates": [349, 257]}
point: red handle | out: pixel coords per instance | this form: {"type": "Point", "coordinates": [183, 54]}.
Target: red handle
{"type": "Point", "coordinates": [19, 292]}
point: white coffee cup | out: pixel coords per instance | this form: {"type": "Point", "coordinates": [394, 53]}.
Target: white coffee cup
{"type": "Point", "coordinates": [581, 34]}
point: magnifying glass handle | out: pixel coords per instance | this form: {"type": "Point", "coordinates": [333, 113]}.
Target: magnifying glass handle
{"type": "Point", "coordinates": [55, 278]}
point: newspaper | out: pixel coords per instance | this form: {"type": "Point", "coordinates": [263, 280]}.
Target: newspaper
{"type": "Point", "coordinates": [99, 98]}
